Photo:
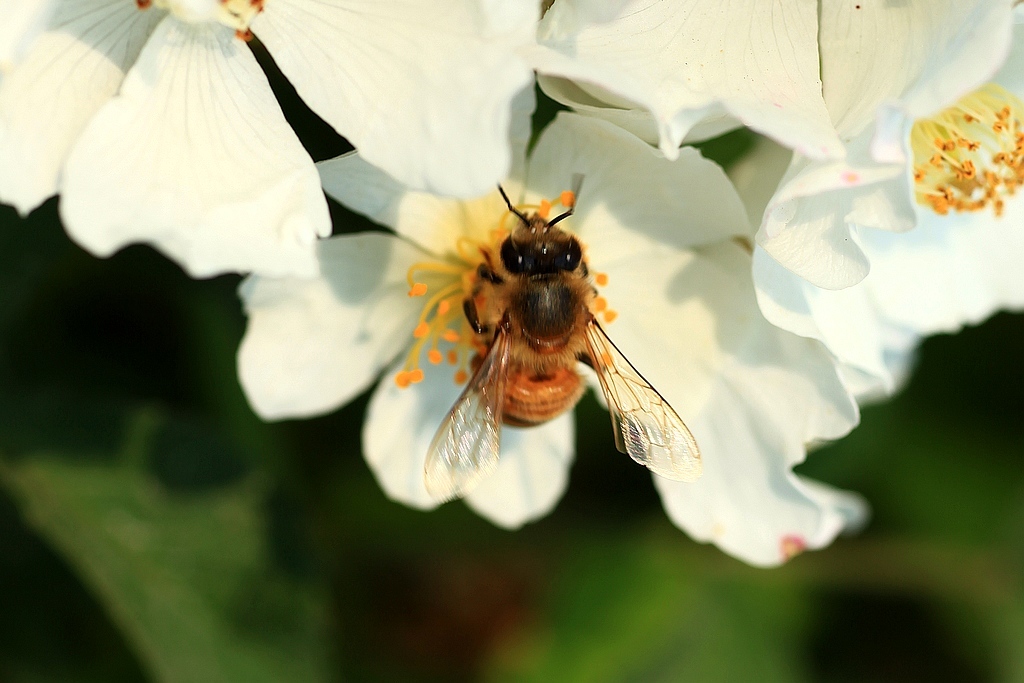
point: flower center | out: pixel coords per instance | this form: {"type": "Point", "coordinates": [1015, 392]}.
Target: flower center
{"type": "Point", "coordinates": [236, 14]}
{"type": "Point", "coordinates": [443, 333]}
{"type": "Point", "coordinates": [971, 156]}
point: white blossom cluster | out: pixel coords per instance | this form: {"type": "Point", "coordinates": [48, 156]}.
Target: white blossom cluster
{"type": "Point", "coordinates": [878, 206]}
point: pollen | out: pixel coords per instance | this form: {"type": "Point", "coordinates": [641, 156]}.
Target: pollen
{"type": "Point", "coordinates": [435, 357]}
{"type": "Point", "coordinates": [601, 279]}
{"type": "Point", "coordinates": [970, 157]}
{"type": "Point", "coordinates": [422, 330]}
{"type": "Point", "coordinates": [600, 303]}
{"type": "Point", "coordinates": [461, 376]}
{"type": "Point", "coordinates": [418, 289]}
{"type": "Point", "coordinates": [567, 199]}
{"type": "Point", "coordinates": [453, 358]}
{"type": "Point", "coordinates": [544, 210]}
{"type": "Point", "coordinates": [451, 336]}
{"type": "Point", "coordinates": [610, 316]}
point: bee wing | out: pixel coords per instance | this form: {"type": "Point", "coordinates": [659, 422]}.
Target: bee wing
{"type": "Point", "coordinates": [646, 426]}
{"type": "Point", "coordinates": [465, 448]}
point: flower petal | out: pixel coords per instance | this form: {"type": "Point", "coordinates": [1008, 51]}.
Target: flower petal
{"type": "Point", "coordinates": [423, 90]}
{"type": "Point", "coordinates": [314, 344]}
{"type": "Point", "coordinates": [811, 225]}
{"type": "Point", "coordinates": [432, 222]}
{"type": "Point", "coordinates": [944, 49]}
{"type": "Point", "coordinates": [631, 195]}
{"type": "Point", "coordinates": [756, 58]}
{"type": "Point", "coordinates": [752, 394]}
{"type": "Point", "coordinates": [69, 73]}
{"type": "Point", "coordinates": [845, 320]}
{"type": "Point", "coordinates": [599, 103]}
{"type": "Point", "coordinates": [400, 424]}
{"type": "Point", "coordinates": [950, 271]}
{"type": "Point", "coordinates": [531, 476]}
{"type": "Point", "coordinates": [757, 174]}
{"type": "Point", "coordinates": [196, 157]}
{"type": "Point", "coordinates": [23, 22]}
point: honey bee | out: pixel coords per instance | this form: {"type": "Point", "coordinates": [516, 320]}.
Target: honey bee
{"type": "Point", "coordinates": [531, 310]}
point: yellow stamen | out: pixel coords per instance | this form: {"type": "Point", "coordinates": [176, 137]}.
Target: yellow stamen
{"type": "Point", "coordinates": [970, 157]}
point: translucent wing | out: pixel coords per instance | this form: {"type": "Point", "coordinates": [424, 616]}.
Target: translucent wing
{"type": "Point", "coordinates": [465, 448]}
{"type": "Point", "coordinates": [646, 426]}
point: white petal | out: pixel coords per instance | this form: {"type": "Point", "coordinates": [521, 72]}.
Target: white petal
{"type": "Point", "coordinates": [23, 21]}
{"type": "Point", "coordinates": [423, 90]}
{"type": "Point", "coordinates": [811, 224]}
{"type": "Point", "coordinates": [845, 320]}
{"type": "Point", "coordinates": [752, 394]}
{"type": "Point", "coordinates": [196, 157]}
{"type": "Point", "coordinates": [950, 271]}
{"type": "Point", "coordinates": [400, 424]}
{"type": "Point", "coordinates": [531, 476]}
{"type": "Point", "coordinates": [631, 195]}
{"type": "Point", "coordinates": [756, 58]}
{"type": "Point", "coordinates": [926, 53]}
{"type": "Point", "coordinates": [1011, 75]}
{"type": "Point", "coordinates": [313, 344]}
{"type": "Point", "coordinates": [435, 223]}
{"type": "Point", "coordinates": [595, 101]}
{"type": "Point", "coordinates": [71, 71]}
{"type": "Point", "coordinates": [757, 175]}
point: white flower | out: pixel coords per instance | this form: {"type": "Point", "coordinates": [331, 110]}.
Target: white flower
{"type": "Point", "coordinates": [155, 122]}
{"type": "Point", "coordinates": [691, 69]}
{"type": "Point", "coordinates": [952, 172]}
{"type": "Point", "coordinates": [665, 244]}
{"type": "Point", "coordinates": [23, 20]}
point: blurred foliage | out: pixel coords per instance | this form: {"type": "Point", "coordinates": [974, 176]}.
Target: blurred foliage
{"type": "Point", "coordinates": [152, 528]}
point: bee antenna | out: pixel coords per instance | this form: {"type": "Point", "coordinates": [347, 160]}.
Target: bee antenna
{"type": "Point", "coordinates": [511, 208]}
{"type": "Point", "coordinates": [577, 184]}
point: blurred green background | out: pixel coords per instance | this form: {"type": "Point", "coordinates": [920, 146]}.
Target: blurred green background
{"type": "Point", "coordinates": [153, 529]}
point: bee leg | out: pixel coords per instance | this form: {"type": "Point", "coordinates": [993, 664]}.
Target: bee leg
{"type": "Point", "coordinates": [469, 308]}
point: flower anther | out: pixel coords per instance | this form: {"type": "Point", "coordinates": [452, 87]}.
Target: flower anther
{"type": "Point", "coordinates": [970, 156]}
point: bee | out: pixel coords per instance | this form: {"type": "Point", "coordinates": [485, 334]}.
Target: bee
{"type": "Point", "coordinates": [531, 309]}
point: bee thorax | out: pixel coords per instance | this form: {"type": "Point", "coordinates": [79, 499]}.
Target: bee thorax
{"type": "Point", "coordinates": [547, 311]}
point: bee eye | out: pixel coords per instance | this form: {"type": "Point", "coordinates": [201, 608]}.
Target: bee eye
{"type": "Point", "coordinates": [570, 260]}
{"type": "Point", "coordinates": [513, 261]}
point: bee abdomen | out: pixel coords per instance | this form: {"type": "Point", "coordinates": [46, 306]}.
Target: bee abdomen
{"type": "Point", "coordinates": [532, 399]}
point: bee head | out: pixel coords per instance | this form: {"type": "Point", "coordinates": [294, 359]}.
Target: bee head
{"type": "Point", "coordinates": [546, 253]}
